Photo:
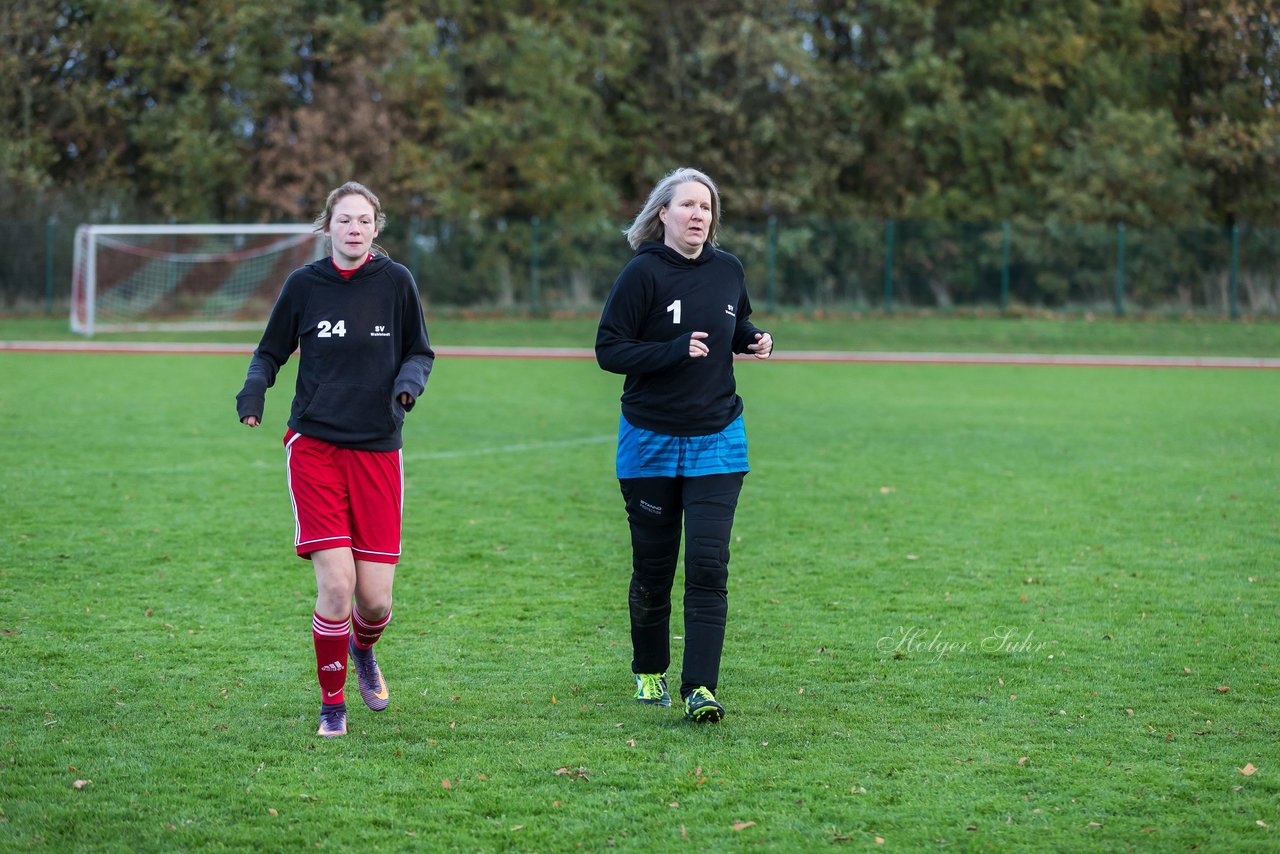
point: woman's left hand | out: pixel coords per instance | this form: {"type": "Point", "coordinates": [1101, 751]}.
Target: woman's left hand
{"type": "Point", "coordinates": [763, 346]}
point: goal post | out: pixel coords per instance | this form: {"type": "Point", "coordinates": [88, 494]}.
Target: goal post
{"type": "Point", "coordinates": [183, 277]}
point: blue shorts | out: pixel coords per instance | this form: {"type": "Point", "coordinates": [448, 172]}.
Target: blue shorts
{"type": "Point", "coordinates": [644, 453]}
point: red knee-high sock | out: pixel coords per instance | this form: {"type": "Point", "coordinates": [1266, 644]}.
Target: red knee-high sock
{"type": "Point", "coordinates": [367, 633]}
{"type": "Point", "coordinates": [331, 656]}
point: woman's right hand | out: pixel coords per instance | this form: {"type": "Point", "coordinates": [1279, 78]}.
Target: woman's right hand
{"type": "Point", "coordinates": [698, 349]}
{"type": "Point", "coordinates": [250, 421]}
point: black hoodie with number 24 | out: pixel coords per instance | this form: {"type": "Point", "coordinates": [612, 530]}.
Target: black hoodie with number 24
{"type": "Point", "coordinates": [362, 342]}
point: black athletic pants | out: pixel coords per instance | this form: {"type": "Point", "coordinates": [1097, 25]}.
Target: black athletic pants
{"type": "Point", "coordinates": [655, 506]}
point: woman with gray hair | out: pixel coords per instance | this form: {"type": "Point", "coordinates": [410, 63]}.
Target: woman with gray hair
{"type": "Point", "coordinates": [676, 316]}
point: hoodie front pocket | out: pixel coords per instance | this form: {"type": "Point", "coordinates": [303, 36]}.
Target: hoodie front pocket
{"type": "Point", "coordinates": [360, 412]}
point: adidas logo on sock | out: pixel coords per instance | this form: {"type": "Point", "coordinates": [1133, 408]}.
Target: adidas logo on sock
{"type": "Point", "coordinates": [333, 667]}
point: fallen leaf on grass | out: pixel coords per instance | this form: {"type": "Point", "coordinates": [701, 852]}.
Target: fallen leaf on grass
{"type": "Point", "coordinates": [576, 773]}
{"type": "Point", "coordinates": [1147, 830]}
{"type": "Point", "coordinates": [879, 840]}
{"type": "Point", "coordinates": [516, 827]}
{"type": "Point", "coordinates": [273, 812]}
{"type": "Point", "coordinates": [80, 784]}
{"type": "Point", "coordinates": [1222, 689]}
{"type": "Point", "coordinates": [1248, 770]}
{"type": "Point", "coordinates": [1262, 823]}
{"type": "Point", "coordinates": [446, 783]}
{"type": "Point", "coordinates": [743, 825]}
{"type": "Point", "coordinates": [1022, 760]}
{"type": "Point", "coordinates": [684, 834]}
{"type": "Point", "coordinates": [1093, 824]}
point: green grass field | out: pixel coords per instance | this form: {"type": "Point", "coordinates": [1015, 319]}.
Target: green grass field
{"type": "Point", "coordinates": [984, 608]}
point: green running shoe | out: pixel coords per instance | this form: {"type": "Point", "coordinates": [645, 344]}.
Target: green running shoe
{"type": "Point", "coordinates": [701, 706]}
{"type": "Point", "coordinates": [651, 689]}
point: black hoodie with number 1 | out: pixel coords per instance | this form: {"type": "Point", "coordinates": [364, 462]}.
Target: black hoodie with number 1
{"type": "Point", "coordinates": [658, 301]}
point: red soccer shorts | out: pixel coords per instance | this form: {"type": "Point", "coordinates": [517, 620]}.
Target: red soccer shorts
{"type": "Point", "coordinates": [344, 498]}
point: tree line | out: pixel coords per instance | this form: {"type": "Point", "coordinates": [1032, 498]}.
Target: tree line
{"type": "Point", "coordinates": [1080, 111]}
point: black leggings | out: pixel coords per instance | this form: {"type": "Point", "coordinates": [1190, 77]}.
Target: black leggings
{"type": "Point", "coordinates": [655, 506]}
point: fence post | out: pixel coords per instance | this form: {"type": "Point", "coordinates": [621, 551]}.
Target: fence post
{"type": "Point", "coordinates": [49, 229]}
{"type": "Point", "coordinates": [533, 264]}
{"type": "Point", "coordinates": [1235, 271]}
{"type": "Point", "coordinates": [1004, 265]}
{"type": "Point", "coordinates": [888, 264]}
{"type": "Point", "coordinates": [413, 247]}
{"type": "Point", "coordinates": [772, 289]}
{"type": "Point", "coordinates": [1119, 295]}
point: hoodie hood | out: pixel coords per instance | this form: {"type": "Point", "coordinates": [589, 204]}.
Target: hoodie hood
{"type": "Point", "coordinates": [323, 267]}
{"type": "Point", "coordinates": [671, 256]}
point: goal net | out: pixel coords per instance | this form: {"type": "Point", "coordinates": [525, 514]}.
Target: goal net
{"type": "Point", "coordinates": [183, 277]}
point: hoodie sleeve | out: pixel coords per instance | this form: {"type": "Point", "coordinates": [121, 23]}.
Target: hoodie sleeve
{"type": "Point", "coordinates": [279, 340]}
{"type": "Point", "coordinates": [618, 346]}
{"type": "Point", "coordinates": [416, 355]}
{"type": "Point", "coordinates": [744, 334]}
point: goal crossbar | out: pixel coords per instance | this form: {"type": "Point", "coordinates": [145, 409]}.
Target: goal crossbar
{"type": "Point", "coordinates": [200, 229]}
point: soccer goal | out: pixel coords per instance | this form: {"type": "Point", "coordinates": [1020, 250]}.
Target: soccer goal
{"type": "Point", "coordinates": [183, 277]}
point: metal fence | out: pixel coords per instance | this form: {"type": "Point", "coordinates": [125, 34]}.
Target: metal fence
{"type": "Point", "coordinates": [542, 266]}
